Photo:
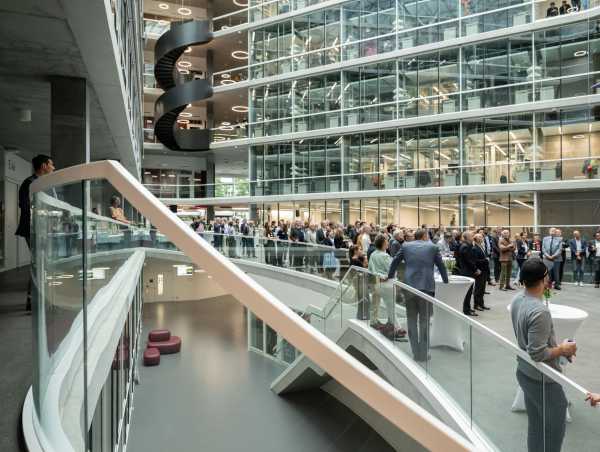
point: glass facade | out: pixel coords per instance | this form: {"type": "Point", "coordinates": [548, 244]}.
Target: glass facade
{"type": "Point", "coordinates": [553, 145]}
{"type": "Point", "coordinates": [551, 64]}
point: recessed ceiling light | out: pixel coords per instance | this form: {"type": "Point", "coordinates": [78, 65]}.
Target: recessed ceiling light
{"type": "Point", "coordinates": [578, 137]}
{"type": "Point", "coordinates": [239, 54]}
{"type": "Point", "coordinates": [154, 176]}
{"type": "Point", "coordinates": [171, 175]}
{"type": "Point", "coordinates": [188, 50]}
{"type": "Point", "coordinates": [240, 108]}
{"type": "Point", "coordinates": [228, 81]}
{"type": "Point", "coordinates": [580, 53]}
{"type": "Point", "coordinates": [226, 128]}
{"type": "Point", "coordinates": [184, 71]}
{"type": "Point", "coordinates": [183, 121]}
{"type": "Point", "coordinates": [163, 6]}
{"type": "Point", "coordinates": [185, 114]}
{"type": "Point", "coordinates": [226, 75]}
{"type": "Point", "coordinates": [225, 123]}
{"type": "Point", "coordinates": [238, 3]}
{"type": "Point", "coordinates": [184, 11]}
{"type": "Point", "coordinates": [147, 172]}
{"type": "Point", "coordinates": [184, 64]}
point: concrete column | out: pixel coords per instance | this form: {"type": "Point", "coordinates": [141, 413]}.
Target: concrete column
{"type": "Point", "coordinates": [69, 122]}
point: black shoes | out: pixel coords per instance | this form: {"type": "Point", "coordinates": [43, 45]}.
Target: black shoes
{"type": "Point", "coordinates": [472, 314]}
{"type": "Point", "coordinates": [557, 288]}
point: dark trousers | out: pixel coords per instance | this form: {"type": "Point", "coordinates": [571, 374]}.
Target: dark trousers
{"type": "Point", "coordinates": [496, 268]}
{"type": "Point", "coordinates": [467, 301]}
{"type": "Point", "coordinates": [555, 273]}
{"type": "Point", "coordinates": [418, 313]}
{"type": "Point", "coordinates": [30, 280]}
{"type": "Point", "coordinates": [546, 407]}
{"type": "Point", "coordinates": [479, 290]}
{"type": "Point", "coordinates": [596, 267]}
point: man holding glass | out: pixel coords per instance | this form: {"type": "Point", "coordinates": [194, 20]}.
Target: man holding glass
{"type": "Point", "coordinates": [545, 399]}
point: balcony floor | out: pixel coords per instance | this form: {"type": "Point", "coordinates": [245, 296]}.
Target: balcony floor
{"type": "Point", "coordinates": [215, 394]}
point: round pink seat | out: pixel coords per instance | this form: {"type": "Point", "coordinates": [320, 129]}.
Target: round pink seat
{"type": "Point", "coordinates": [159, 335]}
{"type": "Point", "coordinates": [151, 357]}
{"type": "Point", "coordinates": [173, 345]}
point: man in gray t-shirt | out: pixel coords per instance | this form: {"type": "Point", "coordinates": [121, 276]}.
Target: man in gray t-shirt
{"type": "Point", "coordinates": [545, 399]}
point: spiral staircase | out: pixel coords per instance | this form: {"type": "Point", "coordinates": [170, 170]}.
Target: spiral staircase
{"type": "Point", "coordinates": [179, 90]}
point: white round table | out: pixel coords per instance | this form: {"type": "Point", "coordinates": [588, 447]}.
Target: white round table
{"type": "Point", "coordinates": [567, 321]}
{"type": "Point", "coordinates": [446, 328]}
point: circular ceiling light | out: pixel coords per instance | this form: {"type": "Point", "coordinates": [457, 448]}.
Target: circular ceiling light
{"type": "Point", "coordinates": [188, 50]}
{"type": "Point", "coordinates": [185, 114]}
{"type": "Point", "coordinates": [240, 109]}
{"type": "Point", "coordinates": [184, 64]}
{"type": "Point", "coordinates": [226, 128]}
{"type": "Point", "coordinates": [580, 53]}
{"type": "Point", "coordinates": [228, 81]}
{"type": "Point", "coordinates": [183, 121]}
{"type": "Point", "coordinates": [225, 123]}
{"type": "Point", "coordinates": [578, 137]}
{"type": "Point", "coordinates": [183, 71]}
{"type": "Point", "coordinates": [238, 3]}
{"type": "Point", "coordinates": [239, 54]}
{"type": "Point", "coordinates": [184, 11]}
{"type": "Point", "coordinates": [226, 75]}
{"type": "Point", "coordinates": [163, 6]}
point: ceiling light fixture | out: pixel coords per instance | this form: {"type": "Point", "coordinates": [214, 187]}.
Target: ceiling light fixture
{"type": "Point", "coordinates": [225, 123]}
{"type": "Point", "coordinates": [183, 71]}
{"type": "Point", "coordinates": [226, 75]}
{"type": "Point", "coordinates": [183, 121]}
{"type": "Point", "coordinates": [228, 81]}
{"type": "Point", "coordinates": [578, 137]}
{"type": "Point", "coordinates": [239, 54]}
{"type": "Point", "coordinates": [240, 108]}
{"type": "Point", "coordinates": [188, 50]}
{"type": "Point", "coordinates": [184, 64]}
{"type": "Point", "coordinates": [226, 128]}
{"type": "Point", "coordinates": [163, 6]}
{"type": "Point", "coordinates": [185, 114]}
{"type": "Point", "coordinates": [580, 53]}
{"type": "Point", "coordinates": [184, 11]}
{"type": "Point", "coordinates": [147, 172]}
{"type": "Point", "coordinates": [241, 4]}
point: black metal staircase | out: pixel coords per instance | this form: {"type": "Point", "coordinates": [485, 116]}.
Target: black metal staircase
{"type": "Point", "coordinates": [179, 91]}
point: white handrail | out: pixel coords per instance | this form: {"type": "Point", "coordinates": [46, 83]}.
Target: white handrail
{"type": "Point", "coordinates": [364, 383]}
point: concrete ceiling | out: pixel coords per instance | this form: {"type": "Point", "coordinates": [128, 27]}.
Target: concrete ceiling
{"type": "Point", "coordinates": [35, 43]}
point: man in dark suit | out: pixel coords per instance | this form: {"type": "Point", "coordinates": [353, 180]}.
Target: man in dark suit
{"type": "Point", "coordinates": [218, 231]}
{"type": "Point", "coordinates": [495, 254]}
{"type": "Point", "coordinates": [467, 267]}
{"type": "Point", "coordinates": [578, 248]}
{"type": "Point", "coordinates": [420, 256]}
{"type": "Point", "coordinates": [483, 265]}
{"type": "Point", "coordinates": [42, 165]}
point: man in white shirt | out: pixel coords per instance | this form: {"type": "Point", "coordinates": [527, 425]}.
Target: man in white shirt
{"type": "Point", "coordinates": [365, 238]}
{"type": "Point", "coordinates": [577, 246]}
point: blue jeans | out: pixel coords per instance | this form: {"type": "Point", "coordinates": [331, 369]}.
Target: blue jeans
{"type": "Point", "coordinates": [578, 270]}
{"type": "Point", "coordinates": [546, 407]}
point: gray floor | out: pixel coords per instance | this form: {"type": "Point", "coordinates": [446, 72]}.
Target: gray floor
{"type": "Point", "coordinates": [15, 355]}
{"type": "Point", "coordinates": [215, 394]}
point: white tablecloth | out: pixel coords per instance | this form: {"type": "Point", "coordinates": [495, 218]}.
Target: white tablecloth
{"type": "Point", "coordinates": [567, 321]}
{"type": "Point", "coordinates": [446, 328]}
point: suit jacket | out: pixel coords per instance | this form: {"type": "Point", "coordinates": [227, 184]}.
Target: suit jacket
{"type": "Point", "coordinates": [481, 261]}
{"type": "Point", "coordinates": [420, 257]}
{"type": "Point", "coordinates": [573, 246]}
{"type": "Point", "coordinates": [552, 246]}
{"type": "Point", "coordinates": [320, 236]}
{"type": "Point", "coordinates": [24, 227]}
{"type": "Point", "coordinates": [507, 248]}
{"type": "Point", "coordinates": [466, 260]}
{"type": "Point", "coordinates": [495, 248]}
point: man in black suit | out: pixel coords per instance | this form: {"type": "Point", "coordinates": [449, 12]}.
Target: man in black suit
{"type": "Point", "coordinates": [552, 10]}
{"type": "Point", "coordinates": [42, 165]}
{"type": "Point", "coordinates": [483, 265]}
{"type": "Point", "coordinates": [495, 254]}
{"type": "Point", "coordinates": [218, 231]}
{"type": "Point", "coordinates": [467, 267]}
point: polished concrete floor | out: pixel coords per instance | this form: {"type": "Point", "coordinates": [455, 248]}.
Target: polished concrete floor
{"type": "Point", "coordinates": [215, 394]}
{"type": "Point", "coordinates": [15, 355]}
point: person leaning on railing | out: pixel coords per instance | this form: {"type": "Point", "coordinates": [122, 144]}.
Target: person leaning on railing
{"type": "Point", "coordinates": [545, 399]}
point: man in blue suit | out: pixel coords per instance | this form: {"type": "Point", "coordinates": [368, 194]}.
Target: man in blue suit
{"type": "Point", "coordinates": [420, 256]}
{"type": "Point", "coordinates": [552, 256]}
{"type": "Point", "coordinates": [578, 248]}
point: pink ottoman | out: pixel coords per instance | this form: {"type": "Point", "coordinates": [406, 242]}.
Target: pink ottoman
{"type": "Point", "coordinates": [173, 345]}
{"type": "Point", "coordinates": [159, 335]}
{"type": "Point", "coordinates": [151, 357]}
